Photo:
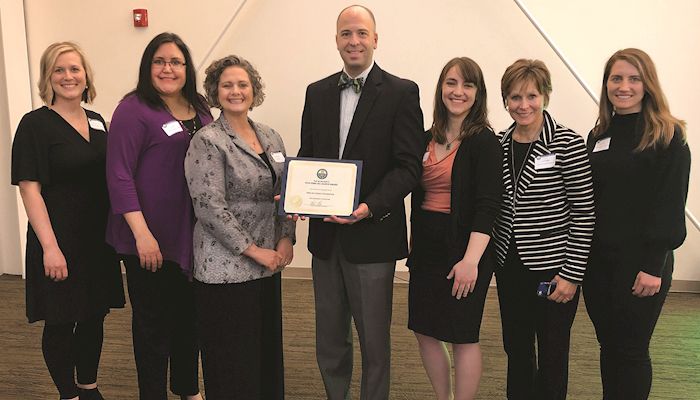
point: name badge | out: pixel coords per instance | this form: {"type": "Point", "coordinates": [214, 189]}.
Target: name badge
{"type": "Point", "coordinates": [601, 145]}
{"type": "Point", "coordinates": [545, 161]}
{"type": "Point", "coordinates": [278, 156]}
{"type": "Point", "coordinates": [172, 127]}
{"type": "Point", "coordinates": [426, 156]}
{"type": "Point", "coordinates": [97, 125]}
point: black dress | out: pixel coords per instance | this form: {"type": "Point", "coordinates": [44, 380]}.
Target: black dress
{"type": "Point", "coordinates": [71, 172]}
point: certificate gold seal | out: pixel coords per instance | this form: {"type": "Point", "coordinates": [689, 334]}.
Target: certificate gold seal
{"type": "Point", "coordinates": [295, 201]}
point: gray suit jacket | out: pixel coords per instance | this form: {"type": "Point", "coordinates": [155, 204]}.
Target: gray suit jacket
{"type": "Point", "coordinates": [232, 193]}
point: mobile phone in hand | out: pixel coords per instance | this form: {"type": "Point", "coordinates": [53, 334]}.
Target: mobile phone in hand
{"type": "Point", "coordinates": [544, 289]}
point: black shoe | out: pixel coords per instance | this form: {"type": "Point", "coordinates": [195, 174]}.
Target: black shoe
{"type": "Point", "coordinates": [90, 394]}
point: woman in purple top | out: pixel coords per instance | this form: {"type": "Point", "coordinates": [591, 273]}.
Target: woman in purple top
{"type": "Point", "coordinates": [152, 219]}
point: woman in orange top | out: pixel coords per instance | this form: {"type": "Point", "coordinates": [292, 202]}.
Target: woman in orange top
{"type": "Point", "coordinates": [453, 212]}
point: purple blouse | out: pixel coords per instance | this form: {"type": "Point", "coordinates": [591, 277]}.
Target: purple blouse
{"type": "Point", "coordinates": [145, 172]}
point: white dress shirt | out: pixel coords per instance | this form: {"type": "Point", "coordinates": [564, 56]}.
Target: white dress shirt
{"type": "Point", "coordinates": [348, 105]}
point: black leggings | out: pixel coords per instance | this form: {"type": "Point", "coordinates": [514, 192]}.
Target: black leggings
{"type": "Point", "coordinates": [73, 347]}
{"type": "Point", "coordinates": [527, 319]}
{"type": "Point", "coordinates": [623, 322]}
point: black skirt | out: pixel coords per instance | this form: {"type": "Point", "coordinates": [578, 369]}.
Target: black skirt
{"type": "Point", "coordinates": [240, 328]}
{"type": "Point", "coordinates": [432, 310]}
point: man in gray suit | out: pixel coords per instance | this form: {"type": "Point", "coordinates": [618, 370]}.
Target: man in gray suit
{"type": "Point", "coordinates": [361, 113]}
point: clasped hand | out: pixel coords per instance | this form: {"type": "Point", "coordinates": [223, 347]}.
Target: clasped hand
{"type": "Point", "coordinates": [275, 259]}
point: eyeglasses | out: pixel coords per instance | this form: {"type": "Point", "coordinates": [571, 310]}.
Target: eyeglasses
{"type": "Point", "coordinates": [174, 63]}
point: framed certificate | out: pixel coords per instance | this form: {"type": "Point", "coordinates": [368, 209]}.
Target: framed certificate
{"type": "Point", "coordinates": [317, 188]}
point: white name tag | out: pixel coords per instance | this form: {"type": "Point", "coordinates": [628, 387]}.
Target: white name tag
{"type": "Point", "coordinates": [426, 156]}
{"type": "Point", "coordinates": [172, 128]}
{"type": "Point", "coordinates": [96, 124]}
{"type": "Point", "coordinates": [545, 161]}
{"type": "Point", "coordinates": [601, 145]}
{"type": "Point", "coordinates": [278, 156]}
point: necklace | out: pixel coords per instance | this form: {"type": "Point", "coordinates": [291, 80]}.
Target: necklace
{"type": "Point", "coordinates": [522, 165]}
{"type": "Point", "coordinates": [191, 125]}
{"type": "Point", "coordinates": [448, 145]}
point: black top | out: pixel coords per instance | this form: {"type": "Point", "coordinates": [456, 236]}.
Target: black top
{"type": "Point", "coordinates": [475, 194]}
{"type": "Point", "coordinates": [71, 171]}
{"type": "Point", "coordinates": [266, 160]}
{"type": "Point", "coordinates": [639, 196]}
{"type": "Point", "coordinates": [192, 125]}
{"type": "Point", "coordinates": [519, 153]}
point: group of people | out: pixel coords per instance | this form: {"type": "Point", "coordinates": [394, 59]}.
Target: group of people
{"type": "Point", "coordinates": [187, 203]}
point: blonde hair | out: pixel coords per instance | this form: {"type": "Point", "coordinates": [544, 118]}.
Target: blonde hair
{"type": "Point", "coordinates": [659, 125]}
{"type": "Point", "coordinates": [47, 63]}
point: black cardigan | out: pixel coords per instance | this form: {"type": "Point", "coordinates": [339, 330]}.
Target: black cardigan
{"type": "Point", "coordinates": [477, 186]}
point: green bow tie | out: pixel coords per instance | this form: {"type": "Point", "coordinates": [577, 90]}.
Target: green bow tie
{"type": "Point", "coordinates": [345, 81]}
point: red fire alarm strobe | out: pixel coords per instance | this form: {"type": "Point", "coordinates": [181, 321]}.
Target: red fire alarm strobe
{"type": "Point", "coordinates": [140, 17]}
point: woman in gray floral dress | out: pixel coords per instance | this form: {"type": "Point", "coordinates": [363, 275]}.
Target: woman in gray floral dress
{"type": "Point", "coordinates": [233, 168]}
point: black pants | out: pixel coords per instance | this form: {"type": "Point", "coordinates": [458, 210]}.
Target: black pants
{"type": "Point", "coordinates": [526, 317]}
{"type": "Point", "coordinates": [240, 326]}
{"type": "Point", "coordinates": [163, 329]}
{"type": "Point", "coordinates": [73, 347]}
{"type": "Point", "coordinates": [623, 322]}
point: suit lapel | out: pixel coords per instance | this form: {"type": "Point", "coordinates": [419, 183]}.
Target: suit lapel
{"type": "Point", "coordinates": [539, 148]}
{"type": "Point", "coordinates": [237, 140]}
{"type": "Point", "coordinates": [370, 90]}
{"type": "Point", "coordinates": [507, 175]}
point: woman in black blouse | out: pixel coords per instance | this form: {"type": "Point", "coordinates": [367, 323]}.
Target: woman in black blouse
{"type": "Point", "coordinates": [73, 276]}
{"type": "Point", "coordinates": [641, 165]}
{"type": "Point", "coordinates": [452, 215]}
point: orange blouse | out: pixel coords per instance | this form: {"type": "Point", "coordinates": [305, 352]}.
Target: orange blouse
{"type": "Point", "coordinates": [437, 179]}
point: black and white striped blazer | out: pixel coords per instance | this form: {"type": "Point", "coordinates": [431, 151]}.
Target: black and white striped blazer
{"type": "Point", "coordinates": [550, 213]}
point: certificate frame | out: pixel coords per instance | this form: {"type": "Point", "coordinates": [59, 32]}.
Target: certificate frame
{"type": "Point", "coordinates": [322, 166]}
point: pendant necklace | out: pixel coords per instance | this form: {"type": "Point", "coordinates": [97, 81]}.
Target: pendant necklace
{"type": "Point", "coordinates": [448, 146]}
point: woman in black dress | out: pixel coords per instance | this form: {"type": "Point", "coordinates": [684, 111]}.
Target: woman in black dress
{"type": "Point", "coordinates": [452, 215]}
{"type": "Point", "coordinates": [73, 276]}
{"type": "Point", "coordinates": [641, 165]}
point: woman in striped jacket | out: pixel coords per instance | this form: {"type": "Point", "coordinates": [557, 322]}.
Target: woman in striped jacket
{"type": "Point", "coordinates": [543, 234]}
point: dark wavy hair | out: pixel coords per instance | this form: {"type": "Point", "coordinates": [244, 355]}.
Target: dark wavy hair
{"type": "Point", "coordinates": [477, 119]}
{"type": "Point", "coordinates": [145, 89]}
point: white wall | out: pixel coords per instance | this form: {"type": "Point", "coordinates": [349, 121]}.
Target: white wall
{"type": "Point", "coordinates": [291, 43]}
{"type": "Point", "coordinates": [14, 102]}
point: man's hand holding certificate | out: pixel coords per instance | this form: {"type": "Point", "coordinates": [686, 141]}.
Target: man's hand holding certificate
{"type": "Point", "coordinates": [321, 188]}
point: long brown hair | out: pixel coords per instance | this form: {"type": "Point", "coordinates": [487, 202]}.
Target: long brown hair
{"type": "Point", "coordinates": [477, 119]}
{"type": "Point", "coordinates": [658, 123]}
